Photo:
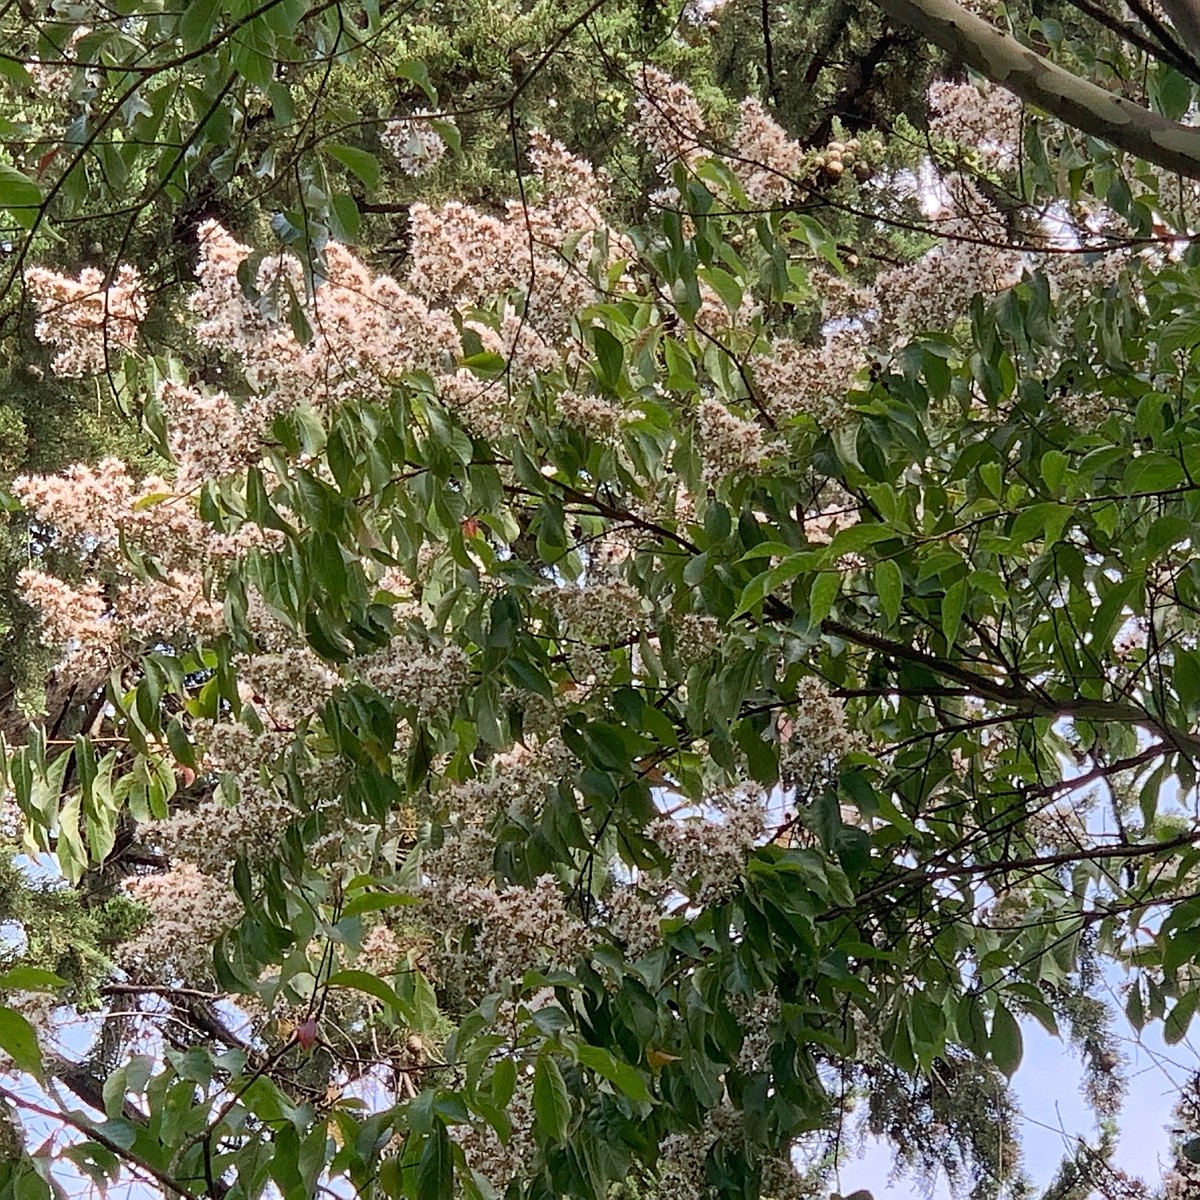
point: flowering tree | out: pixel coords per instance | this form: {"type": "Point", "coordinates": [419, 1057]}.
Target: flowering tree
{"type": "Point", "coordinates": [567, 715]}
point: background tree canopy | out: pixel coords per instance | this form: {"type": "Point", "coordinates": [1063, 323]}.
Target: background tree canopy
{"type": "Point", "coordinates": [595, 600]}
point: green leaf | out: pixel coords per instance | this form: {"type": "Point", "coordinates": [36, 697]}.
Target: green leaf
{"type": "Point", "coordinates": [16, 72]}
{"type": "Point", "coordinates": [822, 241]}
{"type": "Point", "coordinates": [19, 194]}
{"type": "Point", "coordinates": [1186, 678]}
{"type": "Point", "coordinates": [1054, 469]}
{"type": "Point", "coordinates": [345, 218]}
{"type": "Point", "coordinates": [628, 1079]}
{"type": "Point", "coordinates": [374, 901]}
{"type": "Point", "coordinates": [954, 603]}
{"type": "Point", "coordinates": [435, 1172]}
{"type": "Point", "coordinates": [31, 979]}
{"type": "Point", "coordinates": [19, 1041]}
{"type": "Point", "coordinates": [889, 583]}
{"type": "Point", "coordinates": [1005, 1043]}
{"type": "Point", "coordinates": [1175, 1027]}
{"type": "Point", "coordinates": [971, 1023]}
{"type": "Point", "coordinates": [724, 285]}
{"type": "Point", "coordinates": [610, 357]}
{"type": "Point", "coordinates": [197, 23]}
{"type": "Point", "coordinates": [364, 981]}
{"type": "Point", "coordinates": [551, 1103]}
{"type": "Point", "coordinates": [414, 69]}
{"type": "Point", "coordinates": [1170, 92]}
{"type": "Point", "coordinates": [362, 163]}
{"type": "Point", "coordinates": [766, 582]}
{"type": "Point", "coordinates": [824, 592]}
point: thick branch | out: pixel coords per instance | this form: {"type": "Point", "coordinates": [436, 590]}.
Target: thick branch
{"type": "Point", "coordinates": [1185, 16]}
{"type": "Point", "coordinates": [1037, 81]}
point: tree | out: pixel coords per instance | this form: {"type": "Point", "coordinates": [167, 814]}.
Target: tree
{"type": "Point", "coordinates": [569, 713]}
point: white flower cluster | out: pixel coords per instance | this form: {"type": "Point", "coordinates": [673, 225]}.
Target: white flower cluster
{"type": "Point", "coordinates": [366, 330]}
{"type": "Point", "coordinates": [93, 507]}
{"type": "Point", "coordinates": [669, 121]}
{"type": "Point", "coordinates": [609, 611]}
{"type": "Point", "coordinates": [728, 444]}
{"type": "Point", "coordinates": [415, 143]}
{"type": "Point", "coordinates": [834, 511]}
{"type": "Point", "coordinates": [681, 1159]}
{"type": "Point", "coordinates": [522, 928]}
{"type": "Point", "coordinates": [75, 618]}
{"type": "Point", "coordinates": [214, 833]}
{"type": "Point", "coordinates": [758, 1016]}
{"type": "Point", "coordinates": [1131, 638]}
{"type": "Point", "coordinates": [843, 298]}
{"type": "Point", "coordinates": [811, 381]}
{"type": "Point", "coordinates": [487, 407]}
{"type": "Point", "coordinates": [83, 319]}
{"type": "Point", "coordinates": [597, 416]}
{"type": "Point", "coordinates": [289, 687]}
{"type": "Point", "coordinates": [1183, 1181]}
{"type": "Point", "coordinates": [517, 929]}
{"type": "Point", "coordinates": [235, 748]}
{"type": "Point", "coordinates": [462, 256]}
{"type": "Point", "coordinates": [814, 738]}
{"type": "Point", "coordinates": [936, 290]}
{"type": "Point", "coordinates": [698, 636]}
{"type": "Point", "coordinates": [466, 856]}
{"type": "Point", "coordinates": [1060, 828]}
{"type": "Point", "coordinates": [206, 434]}
{"type": "Point", "coordinates": [1077, 278]}
{"type": "Point", "coordinates": [431, 680]}
{"type": "Point", "coordinates": [634, 917]}
{"type": "Point", "coordinates": [93, 510]}
{"type": "Point", "coordinates": [681, 1156]}
{"type": "Point", "coordinates": [83, 503]}
{"type": "Point", "coordinates": [382, 953]}
{"type": "Point", "coordinates": [519, 341]}
{"type": "Point", "coordinates": [574, 197]}
{"type": "Point", "coordinates": [714, 316]}
{"type": "Point", "coordinates": [540, 254]}
{"type": "Point", "coordinates": [498, 1162]}
{"type": "Point", "coordinates": [1084, 410]}
{"type": "Point", "coordinates": [518, 783]}
{"type": "Point", "coordinates": [189, 911]}
{"type": "Point", "coordinates": [986, 120]}
{"type": "Point", "coordinates": [767, 160]}
{"type": "Point", "coordinates": [709, 855]}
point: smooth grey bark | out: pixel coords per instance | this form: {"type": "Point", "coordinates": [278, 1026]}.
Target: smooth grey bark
{"type": "Point", "coordinates": [1185, 16]}
{"type": "Point", "coordinates": [1039, 82]}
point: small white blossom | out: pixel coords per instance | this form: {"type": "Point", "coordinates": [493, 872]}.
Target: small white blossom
{"type": "Point", "coordinates": [416, 144]}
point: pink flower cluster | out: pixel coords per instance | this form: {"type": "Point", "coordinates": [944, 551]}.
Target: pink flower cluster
{"type": "Point", "coordinates": [86, 319]}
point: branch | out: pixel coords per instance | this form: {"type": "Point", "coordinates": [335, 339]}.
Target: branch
{"type": "Point", "coordinates": [1022, 699]}
{"type": "Point", "coordinates": [1037, 81]}
{"type": "Point", "coordinates": [1039, 862]}
{"type": "Point", "coordinates": [1185, 16]}
{"type": "Point", "coordinates": [1165, 37]}
{"type": "Point", "coordinates": [1171, 53]}
{"type": "Point", "coordinates": [87, 1127]}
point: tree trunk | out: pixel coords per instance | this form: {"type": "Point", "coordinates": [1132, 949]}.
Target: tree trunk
{"type": "Point", "coordinates": [1041, 83]}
